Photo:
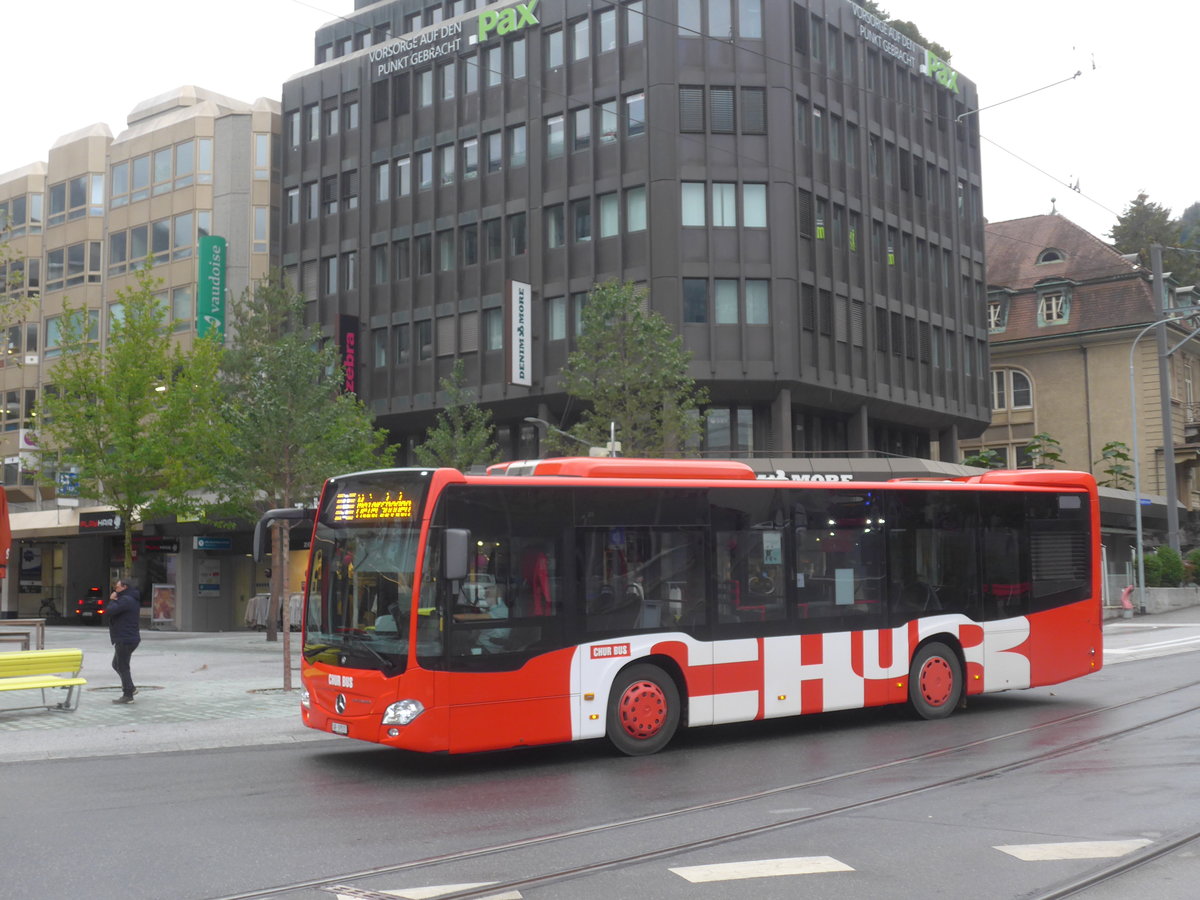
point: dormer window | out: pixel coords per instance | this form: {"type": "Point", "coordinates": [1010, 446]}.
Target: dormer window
{"type": "Point", "coordinates": [1050, 255]}
{"type": "Point", "coordinates": [997, 310]}
{"type": "Point", "coordinates": [1052, 308]}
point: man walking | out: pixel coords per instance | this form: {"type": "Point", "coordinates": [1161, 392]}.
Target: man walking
{"type": "Point", "coordinates": [124, 610]}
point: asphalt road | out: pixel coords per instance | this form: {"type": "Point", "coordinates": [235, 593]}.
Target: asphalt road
{"type": "Point", "coordinates": [992, 802]}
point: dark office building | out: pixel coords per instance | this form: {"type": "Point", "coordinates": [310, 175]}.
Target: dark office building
{"type": "Point", "coordinates": [795, 183]}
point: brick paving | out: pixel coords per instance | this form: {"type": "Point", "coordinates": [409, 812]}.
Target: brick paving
{"type": "Point", "coordinates": [195, 690]}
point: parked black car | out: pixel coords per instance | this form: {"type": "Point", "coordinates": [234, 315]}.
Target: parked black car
{"type": "Point", "coordinates": [90, 607]}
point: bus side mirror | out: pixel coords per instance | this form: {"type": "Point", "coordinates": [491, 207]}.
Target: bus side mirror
{"type": "Point", "coordinates": [262, 530]}
{"type": "Point", "coordinates": [456, 559]}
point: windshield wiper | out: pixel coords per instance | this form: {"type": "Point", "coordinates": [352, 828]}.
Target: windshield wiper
{"type": "Point", "coordinates": [363, 642]}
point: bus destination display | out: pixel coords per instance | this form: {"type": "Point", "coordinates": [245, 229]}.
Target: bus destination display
{"type": "Point", "coordinates": [371, 506]}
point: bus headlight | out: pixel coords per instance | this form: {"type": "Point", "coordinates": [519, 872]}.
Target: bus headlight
{"type": "Point", "coordinates": [402, 713]}
{"type": "Point", "coordinates": [305, 700]}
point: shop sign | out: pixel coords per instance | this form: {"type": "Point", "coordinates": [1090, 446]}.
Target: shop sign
{"type": "Point", "coordinates": [520, 334]}
{"type": "Point", "coordinates": [210, 302]}
{"type": "Point", "coordinates": [159, 544]}
{"type": "Point", "coordinates": [212, 543]}
{"type": "Point", "coordinates": [890, 41]}
{"type": "Point", "coordinates": [93, 522]}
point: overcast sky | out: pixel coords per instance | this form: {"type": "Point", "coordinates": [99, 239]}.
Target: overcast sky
{"type": "Point", "coordinates": [71, 63]}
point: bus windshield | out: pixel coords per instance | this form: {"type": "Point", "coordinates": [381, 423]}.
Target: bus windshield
{"type": "Point", "coordinates": [363, 560]}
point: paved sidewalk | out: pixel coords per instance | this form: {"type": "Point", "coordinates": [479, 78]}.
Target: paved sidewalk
{"type": "Point", "coordinates": [195, 690]}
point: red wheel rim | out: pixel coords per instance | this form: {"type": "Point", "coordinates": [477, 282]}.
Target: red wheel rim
{"type": "Point", "coordinates": [936, 681]}
{"type": "Point", "coordinates": [643, 710]}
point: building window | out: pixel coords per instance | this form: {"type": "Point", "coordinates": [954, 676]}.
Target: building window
{"type": "Point", "coordinates": [425, 88]}
{"type": "Point", "coordinates": [581, 219]}
{"type": "Point", "coordinates": [425, 170]}
{"type": "Point", "coordinates": [449, 76]}
{"type": "Point", "coordinates": [403, 343]}
{"type": "Point", "coordinates": [332, 120]}
{"type": "Point", "coordinates": [758, 302]}
{"type": "Point", "coordinates": [555, 138]}
{"type": "Point", "coordinates": [581, 128]}
{"type": "Point", "coordinates": [1050, 255]}
{"type": "Point", "coordinates": [553, 48]}
{"type": "Point", "coordinates": [635, 22]}
{"type": "Point", "coordinates": [725, 301]}
{"type": "Point", "coordinates": [635, 209]}
{"type": "Point", "coordinates": [724, 205]}
{"type": "Point", "coordinates": [608, 121]}
{"type": "Point", "coordinates": [495, 151]}
{"type": "Point", "coordinates": [517, 145]}
{"type": "Point", "coordinates": [1053, 308]}
{"type": "Point", "coordinates": [516, 58]}
{"type": "Point", "coordinates": [445, 242]}
{"type": "Point", "coordinates": [580, 40]}
{"type": "Point", "coordinates": [691, 109]}
{"type": "Point", "coordinates": [470, 154]}
{"type": "Point", "coordinates": [182, 309]}
{"type": "Point", "coordinates": [423, 249]}
{"type": "Point", "coordinates": [610, 208]}
{"type": "Point", "coordinates": [996, 317]}
{"type": "Point", "coordinates": [606, 31]}
{"type": "Point", "coordinates": [425, 340]}
{"type": "Point", "coordinates": [518, 242]}
{"type": "Point", "coordinates": [493, 240]}
{"type": "Point", "coordinates": [379, 264]}
{"type": "Point", "coordinates": [329, 275]}
{"type": "Point", "coordinates": [262, 157]}
{"type": "Point", "coordinates": [635, 115]}
{"type": "Point", "coordinates": [261, 231]}
{"type": "Point", "coordinates": [493, 329]}
{"type": "Point", "coordinates": [694, 202]}
{"type": "Point", "coordinates": [721, 110]}
{"type": "Point", "coordinates": [556, 318]}
{"type": "Point", "coordinates": [383, 183]}
{"type": "Point", "coordinates": [1011, 389]}
{"type": "Point", "coordinates": [469, 239]}
{"type": "Point", "coordinates": [754, 205]}
{"type": "Point", "coordinates": [403, 177]}
{"type": "Point", "coordinates": [449, 152]}
{"type": "Point", "coordinates": [470, 75]}
{"type": "Point", "coordinates": [695, 301]}
{"type": "Point", "coordinates": [493, 66]}
{"type": "Point", "coordinates": [401, 260]}
{"type": "Point", "coordinates": [555, 226]}
{"type": "Point", "coordinates": [379, 342]}
{"type": "Point", "coordinates": [754, 110]}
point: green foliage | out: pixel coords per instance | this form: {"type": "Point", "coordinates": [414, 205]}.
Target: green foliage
{"type": "Point", "coordinates": [630, 367]}
{"type": "Point", "coordinates": [908, 29]}
{"type": "Point", "coordinates": [987, 458]}
{"type": "Point", "coordinates": [290, 425]}
{"type": "Point", "coordinates": [1044, 451]}
{"type": "Point", "coordinates": [462, 434]}
{"type": "Point", "coordinates": [1144, 223]}
{"type": "Point", "coordinates": [139, 420]}
{"type": "Point", "coordinates": [1117, 465]}
{"type": "Point", "coordinates": [1164, 568]}
{"type": "Point", "coordinates": [1191, 562]}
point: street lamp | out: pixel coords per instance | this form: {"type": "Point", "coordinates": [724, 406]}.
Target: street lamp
{"type": "Point", "coordinates": [1137, 462]}
{"type": "Point", "coordinates": [611, 450]}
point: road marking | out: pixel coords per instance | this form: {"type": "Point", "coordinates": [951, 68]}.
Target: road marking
{"type": "Point", "coordinates": [1137, 648]}
{"type": "Point", "coordinates": [423, 893]}
{"type": "Point", "coordinates": [1072, 850]}
{"type": "Point", "coordinates": [761, 868]}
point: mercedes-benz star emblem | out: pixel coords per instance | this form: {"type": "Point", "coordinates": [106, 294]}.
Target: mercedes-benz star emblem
{"type": "Point", "coordinates": [340, 703]}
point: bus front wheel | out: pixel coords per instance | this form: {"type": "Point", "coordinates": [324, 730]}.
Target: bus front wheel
{"type": "Point", "coordinates": [935, 681]}
{"type": "Point", "coordinates": [643, 710]}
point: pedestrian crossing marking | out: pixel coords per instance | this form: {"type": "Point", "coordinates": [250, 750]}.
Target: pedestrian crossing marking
{"type": "Point", "coordinates": [761, 868]}
{"type": "Point", "coordinates": [1072, 850]}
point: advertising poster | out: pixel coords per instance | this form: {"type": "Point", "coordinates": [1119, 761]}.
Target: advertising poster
{"type": "Point", "coordinates": [162, 603]}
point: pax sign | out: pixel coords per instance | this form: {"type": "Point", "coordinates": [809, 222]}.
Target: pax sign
{"type": "Point", "coordinates": [496, 22]}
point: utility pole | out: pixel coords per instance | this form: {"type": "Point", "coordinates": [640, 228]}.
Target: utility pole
{"type": "Point", "coordinates": [1164, 389]}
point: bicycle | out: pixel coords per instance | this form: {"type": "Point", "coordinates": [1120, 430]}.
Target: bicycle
{"type": "Point", "coordinates": [48, 610]}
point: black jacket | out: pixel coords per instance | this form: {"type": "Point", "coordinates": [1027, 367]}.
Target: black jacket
{"type": "Point", "coordinates": [123, 614]}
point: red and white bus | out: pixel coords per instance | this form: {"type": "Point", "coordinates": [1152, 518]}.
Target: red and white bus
{"type": "Point", "coordinates": [576, 598]}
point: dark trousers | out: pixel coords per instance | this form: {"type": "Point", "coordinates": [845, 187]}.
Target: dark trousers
{"type": "Point", "coordinates": [121, 654]}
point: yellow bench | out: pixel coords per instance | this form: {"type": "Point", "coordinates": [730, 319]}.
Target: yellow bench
{"type": "Point", "coordinates": [28, 670]}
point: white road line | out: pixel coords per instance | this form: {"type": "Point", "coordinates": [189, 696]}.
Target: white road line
{"type": "Point", "coordinates": [440, 890]}
{"type": "Point", "coordinates": [1138, 648]}
{"type": "Point", "coordinates": [761, 868]}
{"type": "Point", "coordinates": [1072, 850]}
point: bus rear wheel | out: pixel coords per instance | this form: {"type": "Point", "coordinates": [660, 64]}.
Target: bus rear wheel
{"type": "Point", "coordinates": [935, 681]}
{"type": "Point", "coordinates": [643, 710]}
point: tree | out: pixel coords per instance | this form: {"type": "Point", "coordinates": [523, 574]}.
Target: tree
{"type": "Point", "coordinates": [631, 369]}
{"type": "Point", "coordinates": [137, 422]}
{"type": "Point", "coordinates": [290, 425]}
{"type": "Point", "coordinates": [1144, 223]}
{"type": "Point", "coordinates": [462, 434]}
{"type": "Point", "coordinates": [1118, 465]}
{"type": "Point", "coordinates": [987, 458]}
{"type": "Point", "coordinates": [908, 29]}
{"type": "Point", "coordinates": [1044, 451]}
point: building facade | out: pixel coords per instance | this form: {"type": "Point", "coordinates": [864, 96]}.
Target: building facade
{"type": "Point", "coordinates": [1073, 356]}
{"type": "Point", "coordinates": [190, 163]}
{"type": "Point", "coordinates": [795, 184]}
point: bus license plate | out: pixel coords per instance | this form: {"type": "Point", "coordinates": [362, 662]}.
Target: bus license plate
{"type": "Point", "coordinates": [339, 728]}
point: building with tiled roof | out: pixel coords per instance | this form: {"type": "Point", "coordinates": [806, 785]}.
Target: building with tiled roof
{"type": "Point", "coordinates": [1064, 312]}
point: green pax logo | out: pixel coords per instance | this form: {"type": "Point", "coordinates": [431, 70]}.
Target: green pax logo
{"type": "Point", "coordinates": [941, 72]}
{"type": "Point", "coordinates": [497, 22]}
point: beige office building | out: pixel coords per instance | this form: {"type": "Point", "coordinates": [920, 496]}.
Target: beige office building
{"type": "Point", "coordinates": [189, 163]}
